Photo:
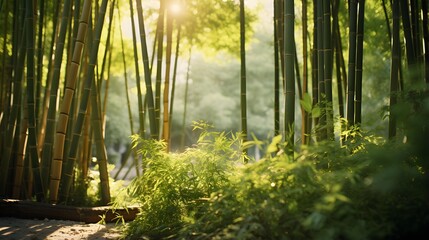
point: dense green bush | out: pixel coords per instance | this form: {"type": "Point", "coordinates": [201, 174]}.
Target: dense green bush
{"type": "Point", "coordinates": [174, 189]}
{"type": "Point", "coordinates": [326, 193]}
{"type": "Point", "coordinates": [365, 189]}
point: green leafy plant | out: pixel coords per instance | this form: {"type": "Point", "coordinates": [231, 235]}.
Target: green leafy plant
{"type": "Point", "coordinates": [174, 188]}
{"type": "Point", "coordinates": [327, 193]}
{"type": "Point", "coordinates": [86, 191]}
{"type": "Point", "coordinates": [366, 189]}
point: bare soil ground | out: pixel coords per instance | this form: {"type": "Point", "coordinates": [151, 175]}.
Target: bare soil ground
{"type": "Point", "coordinates": [33, 229]}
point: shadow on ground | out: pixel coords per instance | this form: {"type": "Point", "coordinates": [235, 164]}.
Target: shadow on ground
{"type": "Point", "coordinates": [14, 228]}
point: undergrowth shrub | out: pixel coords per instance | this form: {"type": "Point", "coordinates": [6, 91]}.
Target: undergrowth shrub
{"type": "Point", "coordinates": [378, 192]}
{"type": "Point", "coordinates": [174, 189]}
{"type": "Point", "coordinates": [365, 189]}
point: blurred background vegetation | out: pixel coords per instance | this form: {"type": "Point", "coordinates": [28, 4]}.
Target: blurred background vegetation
{"type": "Point", "coordinates": [214, 86]}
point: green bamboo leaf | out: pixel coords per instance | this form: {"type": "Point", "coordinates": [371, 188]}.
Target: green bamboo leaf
{"type": "Point", "coordinates": [247, 145]}
{"type": "Point", "coordinates": [277, 139]}
{"type": "Point", "coordinates": [306, 102]}
{"type": "Point", "coordinates": [274, 143]}
{"type": "Point", "coordinates": [316, 112]}
{"type": "Point", "coordinates": [342, 198]}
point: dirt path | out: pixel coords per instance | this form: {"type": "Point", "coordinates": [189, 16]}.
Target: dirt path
{"type": "Point", "coordinates": [14, 228]}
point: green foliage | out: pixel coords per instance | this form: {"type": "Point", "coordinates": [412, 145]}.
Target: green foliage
{"type": "Point", "coordinates": [307, 104]}
{"type": "Point", "coordinates": [204, 21]}
{"type": "Point", "coordinates": [366, 189]}
{"type": "Point", "coordinates": [86, 191]}
{"type": "Point", "coordinates": [174, 188]}
{"type": "Point", "coordinates": [326, 194]}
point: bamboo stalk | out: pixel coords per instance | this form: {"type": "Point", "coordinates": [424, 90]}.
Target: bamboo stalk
{"type": "Point", "coordinates": [130, 115]}
{"type": "Point", "coordinates": [415, 29]}
{"type": "Point", "coordinates": [4, 83]}
{"type": "Point", "coordinates": [137, 71]}
{"type": "Point", "coordinates": [106, 51]}
{"type": "Point", "coordinates": [352, 63]}
{"type": "Point", "coordinates": [276, 70]}
{"type": "Point", "coordinates": [106, 87]}
{"type": "Point", "coordinates": [297, 75]}
{"type": "Point", "coordinates": [86, 155]}
{"type": "Point", "coordinates": [47, 93]}
{"type": "Point", "coordinates": [14, 93]}
{"type": "Point", "coordinates": [185, 104]}
{"type": "Point", "coordinates": [19, 163]}
{"type": "Point", "coordinates": [109, 44]}
{"type": "Point", "coordinates": [281, 39]}
{"type": "Point", "coordinates": [13, 120]}
{"type": "Point", "coordinates": [176, 59]}
{"type": "Point", "coordinates": [327, 60]}
{"type": "Point", "coordinates": [148, 81]}
{"type": "Point", "coordinates": [243, 78]}
{"type": "Point", "coordinates": [426, 40]}
{"type": "Point", "coordinates": [359, 63]}
{"type": "Point", "coordinates": [56, 165]}
{"type": "Point", "coordinates": [389, 31]}
{"type": "Point", "coordinates": [314, 62]}
{"type": "Point", "coordinates": [305, 115]}
{"type": "Point", "coordinates": [53, 97]}
{"type": "Point", "coordinates": [158, 77]}
{"type": "Point", "coordinates": [321, 131]}
{"type": "Point", "coordinates": [395, 66]}
{"type": "Point", "coordinates": [339, 66]}
{"type": "Point", "coordinates": [166, 94]}
{"type": "Point", "coordinates": [90, 90]}
{"type": "Point", "coordinates": [31, 101]}
{"type": "Point", "coordinates": [96, 119]}
{"type": "Point", "coordinates": [406, 24]}
{"type": "Point", "coordinates": [40, 50]}
{"type": "Point", "coordinates": [289, 48]}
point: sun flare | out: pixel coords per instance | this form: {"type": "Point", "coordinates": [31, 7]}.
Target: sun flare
{"type": "Point", "coordinates": [176, 8]}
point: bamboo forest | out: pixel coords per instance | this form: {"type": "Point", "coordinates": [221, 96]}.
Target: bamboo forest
{"type": "Point", "coordinates": [220, 119]}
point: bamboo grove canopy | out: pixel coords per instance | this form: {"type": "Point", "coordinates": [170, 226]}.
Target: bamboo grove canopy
{"type": "Point", "coordinates": [56, 63]}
